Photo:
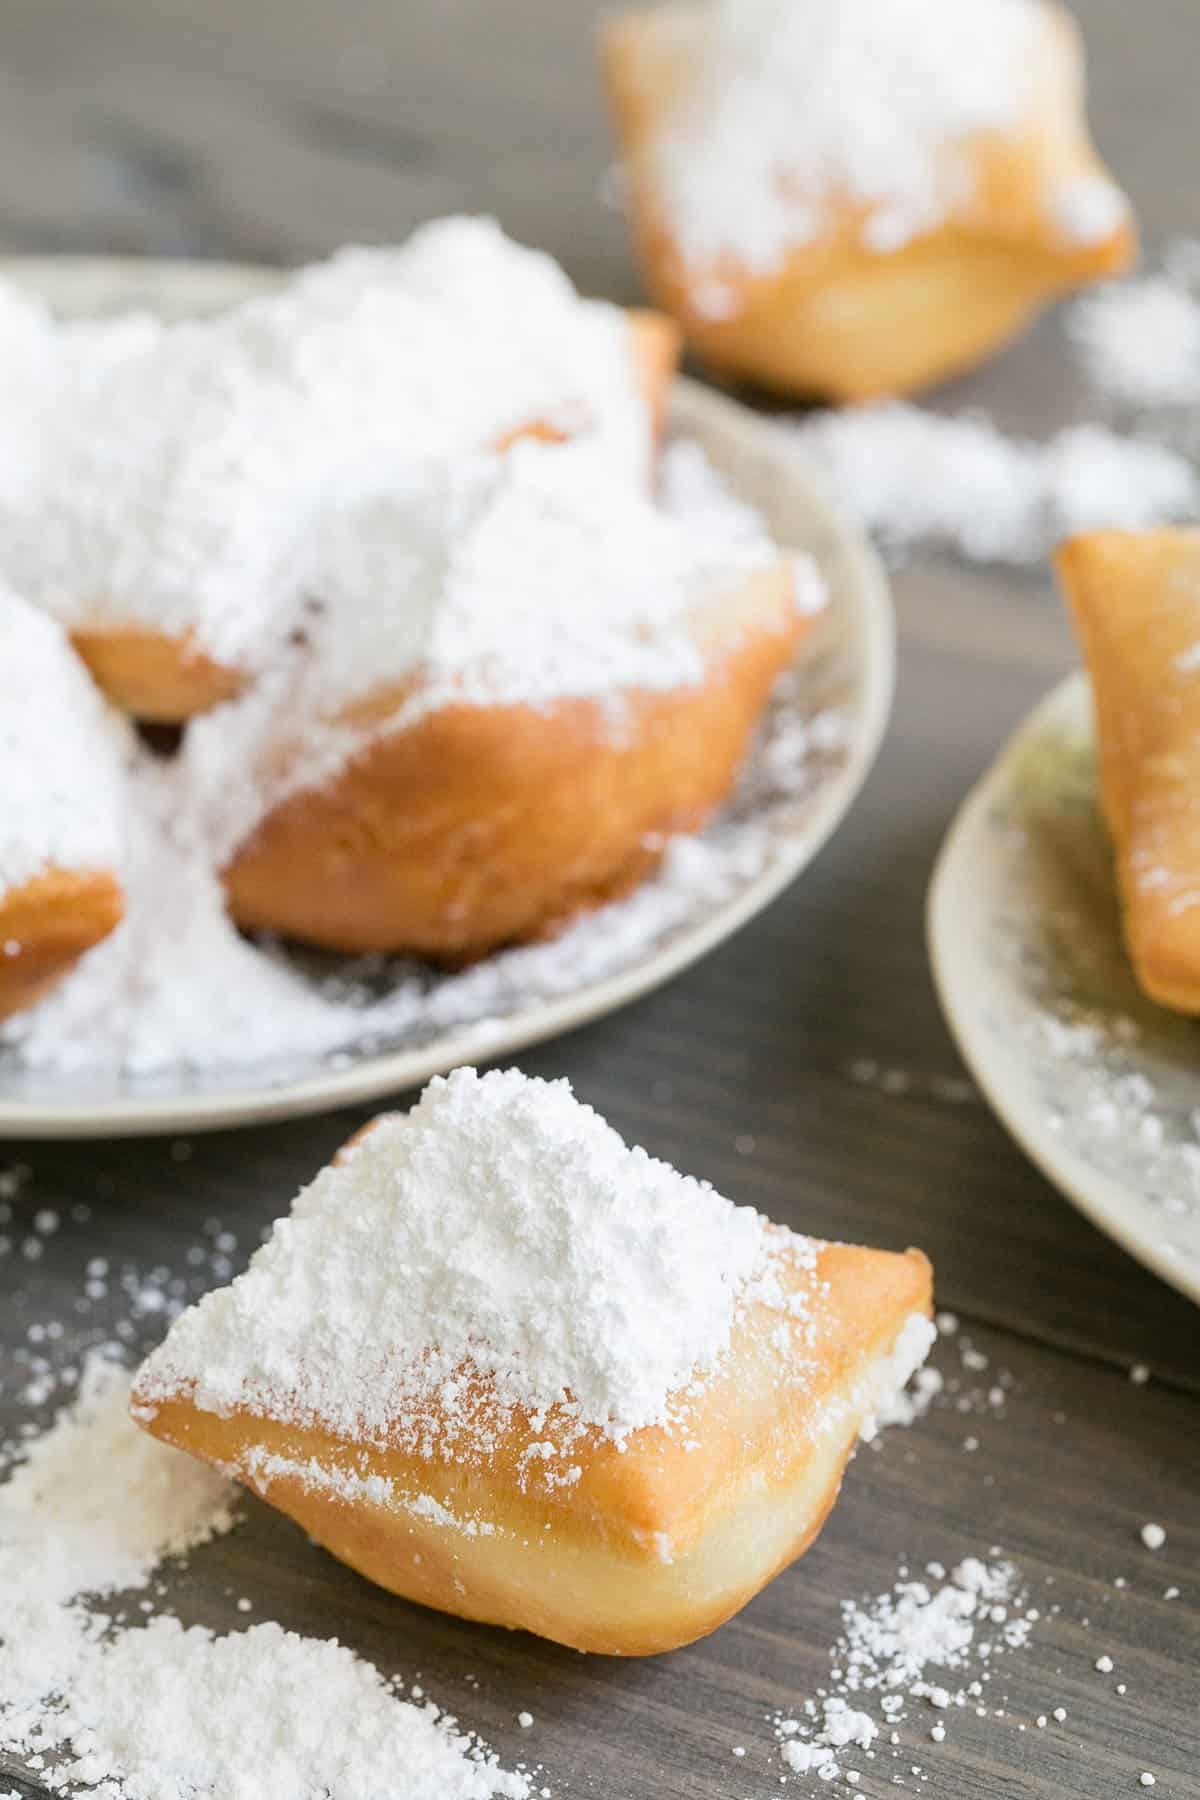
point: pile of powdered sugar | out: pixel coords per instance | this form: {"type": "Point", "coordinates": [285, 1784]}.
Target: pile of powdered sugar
{"type": "Point", "coordinates": [168, 1713]}
{"type": "Point", "coordinates": [63, 755]}
{"type": "Point", "coordinates": [930, 1639]}
{"type": "Point", "coordinates": [504, 1226]}
{"type": "Point", "coordinates": [94, 1505]}
{"type": "Point", "coordinates": [785, 112]}
{"type": "Point", "coordinates": [154, 1711]}
{"type": "Point", "coordinates": [914, 477]}
{"type": "Point", "coordinates": [196, 516]}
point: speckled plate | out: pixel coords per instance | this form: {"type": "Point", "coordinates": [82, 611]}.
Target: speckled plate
{"type": "Point", "coordinates": [1100, 1086]}
{"type": "Point", "coordinates": [767, 834]}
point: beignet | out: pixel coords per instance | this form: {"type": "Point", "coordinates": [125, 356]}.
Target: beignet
{"type": "Point", "coordinates": [63, 758]}
{"type": "Point", "coordinates": [845, 199]}
{"type": "Point", "coordinates": [571, 678]}
{"type": "Point", "coordinates": [506, 1366]}
{"type": "Point", "coordinates": [1135, 600]}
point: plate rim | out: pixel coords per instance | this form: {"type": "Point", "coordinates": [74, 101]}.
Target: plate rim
{"type": "Point", "coordinates": [1101, 1199]}
{"type": "Point", "coordinates": [396, 1071]}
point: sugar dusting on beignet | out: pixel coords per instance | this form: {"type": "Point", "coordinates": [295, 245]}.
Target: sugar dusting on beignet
{"type": "Point", "coordinates": [508, 1366]}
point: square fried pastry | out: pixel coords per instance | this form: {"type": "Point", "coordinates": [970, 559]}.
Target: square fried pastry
{"type": "Point", "coordinates": [1135, 598]}
{"type": "Point", "coordinates": [526, 680]}
{"type": "Point", "coordinates": [848, 198]}
{"type": "Point", "coordinates": [506, 1365]}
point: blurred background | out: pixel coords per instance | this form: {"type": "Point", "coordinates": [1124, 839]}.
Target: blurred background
{"type": "Point", "coordinates": [273, 130]}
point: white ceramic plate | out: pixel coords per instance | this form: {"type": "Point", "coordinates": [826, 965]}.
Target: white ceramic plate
{"type": "Point", "coordinates": [846, 671]}
{"type": "Point", "coordinates": [1100, 1086]}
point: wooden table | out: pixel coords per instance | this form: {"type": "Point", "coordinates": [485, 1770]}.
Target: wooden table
{"type": "Point", "coordinates": [253, 130]}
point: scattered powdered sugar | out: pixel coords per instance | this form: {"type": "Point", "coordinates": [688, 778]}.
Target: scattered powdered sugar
{"type": "Point", "coordinates": [952, 1626]}
{"type": "Point", "coordinates": [840, 1726]}
{"type": "Point", "coordinates": [157, 1711]}
{"type": "Point", "coordinates": [890, 1642]}
{"type": "Point", "coordinates": [1110, 1073]}
{"type": "Point", "coordinates": [501, 1227]}
{"type": "Point", "coordinates": [915, 477]}
{"type": "Point", "coordinates": [786, 111]}
{"type": "Point", "coordinates": [63, 753]}
{"type": "Point", "coordinates": [916, 1084]}
{"type": "Point", "coordinates": [1118, 1092]}
{"type": "Point", "coordinates": [197, 516]}
{"type": "Point", "coordinates": [1139, 340]}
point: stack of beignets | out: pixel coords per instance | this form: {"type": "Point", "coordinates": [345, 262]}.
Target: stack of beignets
{"type": "Point", "coordinates": [389, 540]}
{"type": "Point", "coordinates": [169, 545]}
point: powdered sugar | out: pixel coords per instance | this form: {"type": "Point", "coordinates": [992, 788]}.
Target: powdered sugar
{"type": "Point", "coordinates": [62, 755]}
{"type": "Point", "coordinates": [160, 1712]}
{"type": "Point", "coordinates": [175, 983]}
{"type": "Point", "coordinates": [785, 113]}
{"type": "Point", "coordinates": [889, 1646]}
{"type": "Point", "coordinates": [524, 579]}
{"type": "Point", "coordinates": [119, 1502]}
{"type": "Point", "coordinates": [915, 477]}
{"type": "Point", "coordinates": [532, 577]}
{"type": "Point", "coordinates": [890, 1642]}
{"type": "Point", "coordinates": [882, 1399]}
{"type": "Point", "coordinates": [1139, 341]}
{"type": "Point", "coordinates": [196, 517]}
{"type": "Point", "coordinates": [166, 1713]}
{"type": "Point", "coordinates": [500, 1227]}
{"type": "Point", "coordinates": [261, 1468]}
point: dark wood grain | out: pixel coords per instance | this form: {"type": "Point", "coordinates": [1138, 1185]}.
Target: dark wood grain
{"type": "Point", "coordinates": [234, 129]}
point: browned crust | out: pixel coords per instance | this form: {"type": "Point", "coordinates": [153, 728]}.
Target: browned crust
{"type": "Point", "coordinates": [843, 322]}
{"type": "Point", "coordinates": [46, 925]}
{"type": "Point", "coordinates": [482, 826]}
{"type": "Point", "coordinates": [648, 1549]}
{"type": "Point", "coordinates": [154, 676]}
{"type": "Point", "coordinates": [1135, 600]}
